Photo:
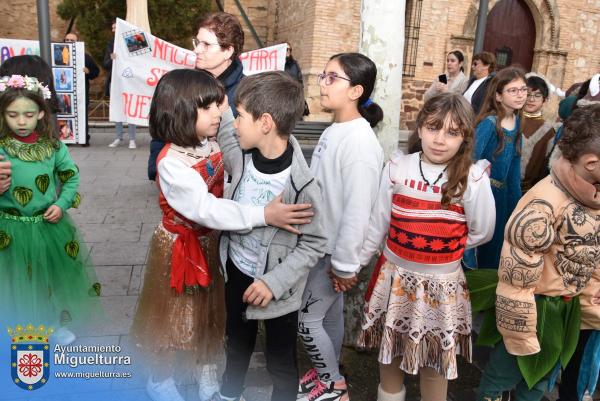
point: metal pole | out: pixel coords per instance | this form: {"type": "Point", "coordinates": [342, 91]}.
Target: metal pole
{"type": "Point", "coordinates": [43, 14]}
{"type": "Point", "coordinates": [249, 24]}
{"type": "Point", "coordinates": [480, 31]}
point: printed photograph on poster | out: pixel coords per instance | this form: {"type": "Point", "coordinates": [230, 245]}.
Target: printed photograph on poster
{"type": "Point", "coordinates": [65, 129]}
{"type": "Point", "coordinates": [63, 79]}
{"type": "Point", "coordinates": [65, 104]}
{"type": "Point", "coordinates": [136, 42]}
{"type": "Point", "coordinates": [62, 54]}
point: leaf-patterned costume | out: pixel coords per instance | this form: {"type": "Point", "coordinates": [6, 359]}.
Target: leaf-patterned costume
{"type": "Point", "coordinates": [45, 276]}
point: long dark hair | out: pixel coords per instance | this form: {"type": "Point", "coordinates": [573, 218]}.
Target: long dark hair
{"type": "Point", "coordinates": [174, 108]}
{"type": "Point", "coordinates": [434, 114]}
{"type": "Point", "coordinates": [362, 71]}
{"type": "Point", "coordinates": [491, 106]}
{"type": "Point", "coordinates": [44, 127]}
{"type": "Point", "coordinates": [32, 66]}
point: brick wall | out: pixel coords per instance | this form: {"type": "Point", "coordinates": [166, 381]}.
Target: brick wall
{"type": "Point", "coordinates": [19, 20]}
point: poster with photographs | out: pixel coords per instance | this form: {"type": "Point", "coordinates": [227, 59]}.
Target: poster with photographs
{"type": "Point", "coordinates": [68, 60]}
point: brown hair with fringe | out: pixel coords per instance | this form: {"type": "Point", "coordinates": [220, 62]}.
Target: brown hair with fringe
{"type": "Point", "coordinates": [451, 110]}
{"type": "Point", "coordinates": [44, 128]}
{"type": "Point", "coordinates": [492, 107]}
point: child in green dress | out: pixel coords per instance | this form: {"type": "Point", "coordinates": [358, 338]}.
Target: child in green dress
{"type": "Point", "coordinates": [45, 277]}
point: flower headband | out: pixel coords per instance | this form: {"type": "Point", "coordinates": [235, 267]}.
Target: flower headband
{"type": "Point", "coordinates": [24, 82]}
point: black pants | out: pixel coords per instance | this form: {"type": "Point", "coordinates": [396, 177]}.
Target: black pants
{"type": "Point", "coordinates": [567, 390]}
{"type": "Point", "coordinates": [241, 338]}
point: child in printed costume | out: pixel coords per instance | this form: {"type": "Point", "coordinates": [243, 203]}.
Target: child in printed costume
{"type": "Point", "coordinates": [181, 311]}
{"type": "Point", "coordinates": [431, 206]}
{"type": "Point", "coordinates": [45, 276]}
{"type": "Point", "coordinates": [551, 252]}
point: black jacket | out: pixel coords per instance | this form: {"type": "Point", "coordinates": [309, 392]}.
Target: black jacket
{"type": "Point", "coordinates": [479, 95]}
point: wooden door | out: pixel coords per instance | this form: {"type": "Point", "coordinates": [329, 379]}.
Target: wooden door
{"type": "Point", "coordinates": [510, 34]}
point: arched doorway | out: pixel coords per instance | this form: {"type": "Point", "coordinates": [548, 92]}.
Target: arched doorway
{"type": "Point", "coordinates": [510, 34]}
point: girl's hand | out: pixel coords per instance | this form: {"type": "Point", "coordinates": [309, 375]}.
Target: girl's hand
{"type": "Point", "coordinates": [341, 284]}
{"type": "Point", "coordinates": [4, 175]}
{"type": "Point", "coordinates": [441, 87]}
{"type": "Point", "coordinates": [258, 294]}
{"type": "Point", "coordinates": [282, 215]}
{"type": "Point", "coordinates": [53, 214]}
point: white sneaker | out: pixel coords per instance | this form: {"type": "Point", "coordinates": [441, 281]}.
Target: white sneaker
{"type": "Point", "coordinates": [163, 391]}
{"type": "Point", "coordinates": [115, 143]}
{"type": "Point", "coordinates": [208, 384]}
{"type": "Point", "coordinates": [63, 336]}
{"type": "Point", "coordinates": [132, 144]}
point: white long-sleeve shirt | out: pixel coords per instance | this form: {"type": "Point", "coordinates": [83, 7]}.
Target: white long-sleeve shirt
{"type": "Point", "coordinates": [347, 164]}
{"type": "Point", "coordinates": [477, 202]}
{"type": "Point", "coordinates": [187, 193]}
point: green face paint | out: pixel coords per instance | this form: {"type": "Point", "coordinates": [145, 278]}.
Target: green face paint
{"type": "Point", "coordinates": [22, 116]}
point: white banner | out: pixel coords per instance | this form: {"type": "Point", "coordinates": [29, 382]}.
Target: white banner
{"type": "Point", "coordinates": [142, 59]}
{"type": "Point", "coordinates": [266, 59]}
{"type": "Point", "coordinates": [68, 60]}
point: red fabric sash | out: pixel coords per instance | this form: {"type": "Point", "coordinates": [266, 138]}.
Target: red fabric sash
{"type": "Point", "coordinates": [374, 277]}
{"type": "Point", "coordinates": [188, 262]}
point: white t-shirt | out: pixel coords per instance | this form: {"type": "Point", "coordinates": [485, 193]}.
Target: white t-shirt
{"type": "Point", "coordinates": [347, 164]}
{"type": "Point", "coordinates": [255, 189]}
{"type": "Point", "coordinates": [471, 89]}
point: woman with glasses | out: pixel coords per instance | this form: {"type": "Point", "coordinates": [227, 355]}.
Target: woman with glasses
{"type": "Point", "coordinates": [498, 139]}
{"type": "Point", "coordinates": [454, 80]}
{"type": "Point", "coordinates": [538, 134]}
{"type": "Point", "coordinates": [218, 42]}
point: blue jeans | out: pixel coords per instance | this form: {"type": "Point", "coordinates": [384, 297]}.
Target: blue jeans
{"type": "Point", "coordinates": [130, 131]}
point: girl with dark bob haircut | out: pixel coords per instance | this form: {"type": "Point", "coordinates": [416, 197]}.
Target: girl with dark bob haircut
{"type": "Point", "coordinates": [177, 98]}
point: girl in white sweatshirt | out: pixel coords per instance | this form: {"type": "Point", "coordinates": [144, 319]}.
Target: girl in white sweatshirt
{"type": "Point", "coordinates": [347, 163]}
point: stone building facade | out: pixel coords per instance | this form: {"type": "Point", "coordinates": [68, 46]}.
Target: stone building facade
{"type": "Point", "coordinates": [565, 47]}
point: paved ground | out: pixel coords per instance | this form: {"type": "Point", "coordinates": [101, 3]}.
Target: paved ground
{"type": "Point", "coordinates": [117, 216]}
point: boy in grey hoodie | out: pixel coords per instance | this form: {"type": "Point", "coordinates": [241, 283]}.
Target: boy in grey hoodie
{"type": "Point", "coordinates": [266, 268]}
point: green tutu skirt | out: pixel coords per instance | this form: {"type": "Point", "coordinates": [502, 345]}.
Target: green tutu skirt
{"type": "Point", "coordinates": [46, 276]}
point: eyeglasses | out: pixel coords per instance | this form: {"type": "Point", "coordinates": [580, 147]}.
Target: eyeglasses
{"type": "Point", "coordinates": [330, 78]}
{"type": "Point", "coordinates": [535, 96]}
{"type": "Point", "coordinates": [70, 41]}
{"type": "Point", "coordinates": [203, 45]}
{"type": "Point", "coordinates": [514, 91]}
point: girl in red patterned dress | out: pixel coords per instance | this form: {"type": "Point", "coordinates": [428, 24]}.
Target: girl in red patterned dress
{"type": "Point", "coordinates": [181, 309]}
{"type": "Point", "coordinates": [432, 204]}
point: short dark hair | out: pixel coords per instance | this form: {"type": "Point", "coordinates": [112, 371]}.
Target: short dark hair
{"type": "Point", "coordinates": [275, 93]}
{"type": "Point", "coordinates": [488, 59]}
{"type": "Point", "coordinates": [581, 133]}
{"type": "Point", "coordinates": [537, 83]}
{"type": "Point", "coordinates": [177, 98]}
{"type": "Point", "coordinates": [227, 29]}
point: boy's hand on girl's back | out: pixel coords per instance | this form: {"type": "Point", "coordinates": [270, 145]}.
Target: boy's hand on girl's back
{"type": "Point", "coordinates": [341, 284]}
{"type": "Point", "coordinates": [282, 215]}
{"type": "Point", "coordinates": [224, 105]}
{"type": "Point", "coordinates": [53, 214]}
{"type": "Point", "coordinates": [258, 294]}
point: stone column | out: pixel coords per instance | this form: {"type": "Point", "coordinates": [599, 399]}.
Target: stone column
{"type": "Point", "coordinates": [137, 14]}
{"type": "Point", "coordinates": [382, 40]}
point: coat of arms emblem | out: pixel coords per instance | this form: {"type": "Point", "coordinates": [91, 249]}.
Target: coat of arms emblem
{"type": "Point", "coordinates": [30, 356]}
